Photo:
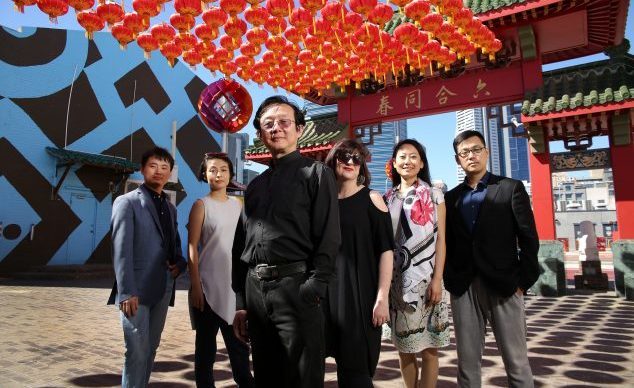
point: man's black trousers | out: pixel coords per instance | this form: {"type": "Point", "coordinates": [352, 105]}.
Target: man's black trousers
{"type": "Point", "coordinates": [286, 332]}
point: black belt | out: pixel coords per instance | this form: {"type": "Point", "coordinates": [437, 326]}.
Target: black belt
{"type": "Point", "coordinates": [272, 272]}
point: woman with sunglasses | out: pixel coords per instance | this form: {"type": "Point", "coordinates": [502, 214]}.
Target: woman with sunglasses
{"type": "Point", "coordinates": [357, 303]}
{"type": "Point", "coordinates": [212, 224]}
{"type": "Point", "coordinates": [419, 315]}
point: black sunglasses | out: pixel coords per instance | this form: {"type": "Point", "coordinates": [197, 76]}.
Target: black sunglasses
{"type": "Point", "coordinates": [344, 157]}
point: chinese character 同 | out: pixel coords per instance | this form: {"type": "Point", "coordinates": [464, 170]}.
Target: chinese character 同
{"type": "Point", "coordinates": [443, 95]}
{"type": "Point", "coordinates": [384, 106]}
{"type": "Point", "coordinates": [480, 87]}
{"type": "Point", "coordinates": [413, 99]}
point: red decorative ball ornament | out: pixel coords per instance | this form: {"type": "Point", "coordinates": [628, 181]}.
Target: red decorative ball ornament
{"type": "Point", "coordinates": [225, 105]}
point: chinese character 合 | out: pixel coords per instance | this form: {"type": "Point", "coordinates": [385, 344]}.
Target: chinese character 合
{"type": "Point", "coordinates": [443, 95]}
{"type": "Point", "coordinates": [384, 106]}
{"type": "Point", "coordinates": [480, 87]}
{"type": "Point", "coordinates": [413, 99]}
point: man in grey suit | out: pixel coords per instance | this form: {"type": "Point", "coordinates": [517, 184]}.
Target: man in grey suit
{"type": "Point", "coordinates": [147, 259]}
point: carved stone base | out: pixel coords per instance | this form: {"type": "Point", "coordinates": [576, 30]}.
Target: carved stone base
{"type": "Point", "coordinates": [591, 277]}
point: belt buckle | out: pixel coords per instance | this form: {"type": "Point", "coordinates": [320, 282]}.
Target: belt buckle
{"type": "Point", "coordinates": [266, 272]}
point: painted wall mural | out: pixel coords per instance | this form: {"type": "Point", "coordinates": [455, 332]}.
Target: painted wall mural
{"type": "Point", "coordinates": [121, 104]}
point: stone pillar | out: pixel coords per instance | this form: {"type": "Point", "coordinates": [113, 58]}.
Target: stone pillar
{"type": "Point", "coordinates": [623, 257]}
{"type": "Point", "coordinates": [552, 277]}
{"type": "Point", "coordinates": [541, 183]}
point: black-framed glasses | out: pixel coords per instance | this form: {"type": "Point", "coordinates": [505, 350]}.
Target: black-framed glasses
{"type": "Point", "coordinates": [345, 157]}
{"type": "Point", "coordinates": [270, 124]}
{"type": "Point", "coordinates": [475, 150]}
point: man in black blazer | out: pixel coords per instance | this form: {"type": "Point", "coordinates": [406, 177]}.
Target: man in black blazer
{"type": "Point", "coordinates": [491, 261]}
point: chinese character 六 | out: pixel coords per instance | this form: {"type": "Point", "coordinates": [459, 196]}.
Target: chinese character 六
{"type": "Point", "coordinates": [443, 95]}
{"type": "Point", "coordinates": [384, 106]}
{"type": "Point", "coordinates": [480, 87]}
{"type": "Point", "coordinates": [413, 99]}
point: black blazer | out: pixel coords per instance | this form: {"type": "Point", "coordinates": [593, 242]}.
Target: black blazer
{"type": "Point", "coordinates": [503, 247]}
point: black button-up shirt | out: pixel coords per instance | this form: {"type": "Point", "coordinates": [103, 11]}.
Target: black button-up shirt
{"type": "Point", "coordinates": [290, 214]}
{"type": "Point", "coordinates": [472, 200]}
{"type": "Point", "coordinates": [162, 208]}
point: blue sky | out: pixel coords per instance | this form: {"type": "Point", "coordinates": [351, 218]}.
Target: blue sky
{"type": "Point", "coordinates": [435, 132]}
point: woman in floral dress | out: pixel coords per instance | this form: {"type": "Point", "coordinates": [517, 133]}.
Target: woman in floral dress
{"type": "Point", "coordinates": [419, 313]}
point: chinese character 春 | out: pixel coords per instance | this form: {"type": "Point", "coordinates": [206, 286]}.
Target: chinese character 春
{"type": "Point", "coordinates": [480, 87]}
{"type": "Point", "coordinates": [443, 95]}
{"type": "Point", "coordinates": [384, 106]}
{"type": "Point", "coordinates": [413, 99]}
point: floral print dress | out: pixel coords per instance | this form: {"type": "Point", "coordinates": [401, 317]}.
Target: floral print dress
{"type": "Point", "coordinates": [414, 325]}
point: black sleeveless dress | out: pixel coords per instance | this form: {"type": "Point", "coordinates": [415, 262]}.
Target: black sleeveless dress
{"type": "Point", "coordinates": [366, 232]}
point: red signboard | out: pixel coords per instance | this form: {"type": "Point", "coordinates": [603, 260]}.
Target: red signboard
{"type": "Point", "coordinates": [477, 89]}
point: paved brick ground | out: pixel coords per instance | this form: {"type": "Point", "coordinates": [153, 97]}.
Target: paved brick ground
{"type": "Point", "coordinates": [61, 334]}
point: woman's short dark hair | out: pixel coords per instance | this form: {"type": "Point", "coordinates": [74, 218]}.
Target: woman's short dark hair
{"type": "Point", "coordinates": [202, 176]}
{"type": "Point", "coordinates": [351, 146]}
{"type": "Point", "coordinates": [423, 174]}
{"type": "Point", "coordinates": [278, 100]}
{"type": "Point", "coordinates": [160, 154]}
{"type": "Point", "coordinates": [462, 136]}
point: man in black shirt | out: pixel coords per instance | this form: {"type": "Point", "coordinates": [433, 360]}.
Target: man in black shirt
{"type": "Point", "coordinates": [284, 254]}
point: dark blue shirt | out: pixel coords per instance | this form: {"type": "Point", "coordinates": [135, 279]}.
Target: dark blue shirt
{"type": "Point", "coordinates": [472, 200]}
{"type": "Point", "coordinates": [162, 208]}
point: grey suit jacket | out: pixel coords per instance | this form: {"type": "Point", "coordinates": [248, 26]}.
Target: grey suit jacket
{"type": "Point", "coordinates": [139, 254]}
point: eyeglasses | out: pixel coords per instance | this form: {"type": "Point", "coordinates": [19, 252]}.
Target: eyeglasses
{"type": "Point", "coordinates": [345, 157]}
{"type": "Point", "coordinates": [475, 150]}
{"type": "Point", "coordinates": [283, 123]}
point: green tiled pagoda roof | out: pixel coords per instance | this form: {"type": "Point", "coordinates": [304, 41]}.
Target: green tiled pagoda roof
{"type": "Point", "coordinates": [318, 131]}
{"type": "Point", "coordinates": [583, 86]}
{"type": "Point", "coordinates": [482, 6]}
{"type": "Point", "coordinates": [95, 160]}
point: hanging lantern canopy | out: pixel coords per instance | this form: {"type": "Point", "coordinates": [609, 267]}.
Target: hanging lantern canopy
{"type": "Point", "coordinates": [20, 4]}
{"type": "Point", "coordinates": [147, 42]}
{"type": "Point", "coordinates": [91, 22]}
{"type": "Point", "coordinates": [78, 5]}
{"type": "Point", "coordinates": [215, 17]}
{"type": "Point", "coordinates": [134, 22]}
{"type": "Point", "coordinates": [110, 12]}
{"type": "Point", "coordinates": [225, 105]}
{"type": "Point", "coordinates": [191, 8]}
{"type": "Point", "coordinates": [171, 51]}
{"type": "Point", "coordinates": [53, 8]}
{"type": "Point", "coordinates": [122, 34]}
{"type": "Point", "coordinates": [182, 22]}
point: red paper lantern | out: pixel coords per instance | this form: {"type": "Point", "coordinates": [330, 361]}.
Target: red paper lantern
{"type": "Point", "coordinates": [229, 43]}
{"type": "Point", "coordinates": [192, 58]}
{"type": "Point", "coordinates": [257, 36]}
{"type": "Point", "coordinates": [171, 51]}
{"type": "Point", "coordinates": [367, 33]}
{"type": "Point", "coordinates": [333, 12]}
{"type": "Point", "coordinates": [223, 55]}
{"type": "Point", "coordinates": [211, 63]}
{"type": "Point", "coordinates": [291, 50]}
{"type": "Point", "coordinates": [215, 17]}
{"type": "Point", "coordinates": [381, 14]}
{"type": "Point", "coordinates": [275, 26]}
{"type": "Point", "coordinates": [235, 27]}
{"type": "Point", "coordinates": [53, 8]}
{"type": "Point", "coordinates": [417, 10]}
{"type": "Point", "coordinates": [163, 33]}
{"type": "Point", "coordinates": [306, 56]}
{"type": "Point", "coordinates": [90, 22]}
{"type": "Point", "coordinates": [122, 34]}
{"type": "Point", "coordinates": [327, 50]}
{"type": "Point", "coordinates": [451, 7]}
{"type": "Point", "coordinates": [147, 42]}
{"type": "Point", "coordinates": [256, 16]}
{"type": "Point", "coordinates": [321, 28]}
{"type": "Point", "coordinates": [228, 68]}
{"type": "Point", "coordinates": [134, 22]}
{"type": "Point", "coordinates": [244, 62]}
{"type": "Point", "coordinates": [20, 4]}
{"type": "Point", "coordinates": [182, 22]}
{"type": "Point", "coordinates": [205, 33]}
{"type": "Point", "coordinates": [110, 12]}
{"type": "Point", "coordinates": [146, 9]}
{"type": "Point", "coordinates": [205, 49]}
{"type": "Point", "coordinates": [406, 33]}
{"type": "Point", "coordinates": [192, 8]}
{"type": "Point", "coordinates": [351, 22]}
{"type": "Point", "coordinates": [79, 5]}
{"type": "Point", "coordinates": [300, 18]}
{"type": "Point", "coordinates": [249, 49]}
{"type": "Point", "coordinates": [432, 22]}
{"type": "Point", "coordinates": [312, 43]}
{"type": "Point", "coordinates": [294, 34]}
{"type": "Point", "coordinates": [400, 3]}
{"type": "Point", "coordinates": [279, 8]}
{"type": "Point", "coordinates": [233, 7]}
{"type": "Point", "coordinates": [275, 43]}
{"type": "Point", "coordinates": [362, 7]}
{"type": "Point", "coordinates": [462, 18]}
{"type": "Point", "coordinates": [186, 41]}
{"type": "Point", "coordinates": [312, 6]}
